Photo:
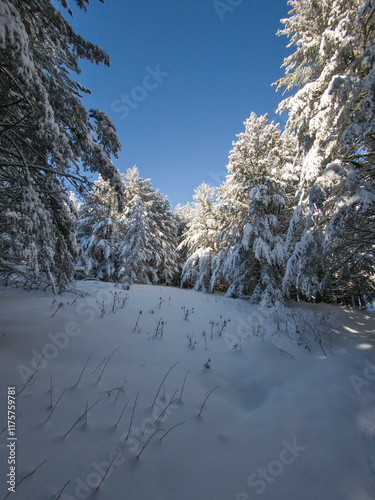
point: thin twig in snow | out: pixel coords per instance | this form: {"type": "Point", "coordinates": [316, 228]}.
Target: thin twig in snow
{"type": "Point", "coordinates": [106, 363]}
{"type": "Point", "coordinates": [32, 376]}
{"type": "Point", "coordinates": [205, 340]}
{"type": "Point", "coordinates": [102, 309]}
{"type": "Point", "coordinates": [173, 427]}
{"type": "Point", "coordinates": [126, 404]}
{"type": "Point", "coordinates": [50, 392]}
{"type": "Point", "coordinates": [115, 299]}
{"type": "Point", "coordinates": [207, 396]}
{"type": "Point", "coordinates": [109, 466]}
{"type": "Point", "coordinates": [99, 365]}
{"type": "Point", "coordinates": [25, 477]}
{"type": "Point", "coordinates": [149, 439]}
{"type": "Point", "coordinates": [54, 407]}
{"type": "Point", "coordinates": [183, 385]}
{"type": "Point", "coordinates": [58, 494]}
{"type": "Point", "coordinates": [87, 404]}
{"type": "Point", "coordinates": [84, 368]}
{"type": "Point", "coordinates": [131, 418]}
{"type": "Point", "coordinates": [171, 401]}
{"type": "Point", "coordinates": [162, 382]}
{"type": "Point", "coordinates": [139, 315]}
{"type": "Point", "coordinates": [58, 307]}
{"type": "Point", "coordinates": [83, 414]}
{"type": "Point", "coordinates": [118, 389]}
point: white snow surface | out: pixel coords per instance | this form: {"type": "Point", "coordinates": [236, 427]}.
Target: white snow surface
{"type": "Point", "coordinates": [285, 423]}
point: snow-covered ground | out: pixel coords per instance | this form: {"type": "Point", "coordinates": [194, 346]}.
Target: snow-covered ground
{"type": "Point", "coordinates": [285, 422]}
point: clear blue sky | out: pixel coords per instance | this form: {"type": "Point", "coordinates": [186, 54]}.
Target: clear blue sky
{"type": "Point", "coordinates": [216, 68]}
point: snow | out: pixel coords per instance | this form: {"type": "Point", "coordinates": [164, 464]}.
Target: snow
{"type": "Point", "coordinates": [12, 30]}
{"type": "Point", "coordinates": [285, 423]}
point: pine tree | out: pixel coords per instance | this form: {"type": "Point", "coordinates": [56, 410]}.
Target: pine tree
{"type": "Point", "coordinates": [200, 239]}
{"type": "Point", "coordinates": [134, 187]}
{"type": "Point", "coordinates": [264, 235]}
{"type": "Point", "coordinates": [135, 252]}
{"type": "Point", "coordinates": [98, 228]}
{"type": "Point", "coordinates": [165, 239]}
{"type": "Point", "coordinates": [138, 243]}
{"type": "Point", "coordinates": [161, 231]}
{"type": "Point", "coordinates": [182, 217]}
{"type": "Point", "coordinates": [39, 232]}
{"type": "Point", "coordinates": [332, 114]}
{"type": "Point", "coordinates": [255, 202]}
{"type": "Point", "coordinates": [45, 135]}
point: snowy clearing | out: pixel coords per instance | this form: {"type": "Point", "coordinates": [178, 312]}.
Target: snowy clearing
{"type": "Point", "coordinates": [283, 421]}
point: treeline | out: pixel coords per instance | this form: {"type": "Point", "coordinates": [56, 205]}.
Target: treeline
{"type": "Point", "coordinates": [137, 243]}
{"type": "Point", "coordinates": [294, 218]}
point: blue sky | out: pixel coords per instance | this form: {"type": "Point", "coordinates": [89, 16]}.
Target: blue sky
{"type": "Point", "coordinates": [184, 76]}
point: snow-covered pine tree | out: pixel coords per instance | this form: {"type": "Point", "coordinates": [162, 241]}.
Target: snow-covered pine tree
{"type": "Point", "coordinates": [332, 114]}
{"type": "Point", "coordinates": [114, 250]}
{"type": "Point", "coordinates": [182, 217]}
{"type": "Point", "coordinates": [135, 251]}
{"type": "Point", "coordinates": [99, 229]}
{"type": "Point", "coordinates": [164, 239]}
{"type": "Point", "coordinates": [39, 232]}
{"type": "Point", "coordinates": [255, 200]}
{"type": "Point", "coordinates": [257, 149]}
{"type": "Point", "coordinates": [264, 236]}
{"type": "Point", "coordinates": [160, 227]}
{"type": "Point", "coordinates": [135, 186]}
{"type": "Point", "coordinates": [45, 135]}
{"type": "Point", "coordinates": [200, 238]}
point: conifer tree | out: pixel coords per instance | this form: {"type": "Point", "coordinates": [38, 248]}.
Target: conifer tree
{"type": "Point", "coordinates": [134, 251]}
{"type": "Point", "coordinates": [332, 114]}
{"type": "Point", "coordinates": [200, 239]}
{"type": "Point", "coordinates": [45, 135]}
{"type": "Point", "coordinates": [99, 228]}
{"type": "Point", "coordinates": [138, 243]}
{"type": "Point", "coordinates": [182, 216]}
{"type": "Point", "coordinates": [255, 203]}
{"type": "Point", "coordinates": [165, 239]}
